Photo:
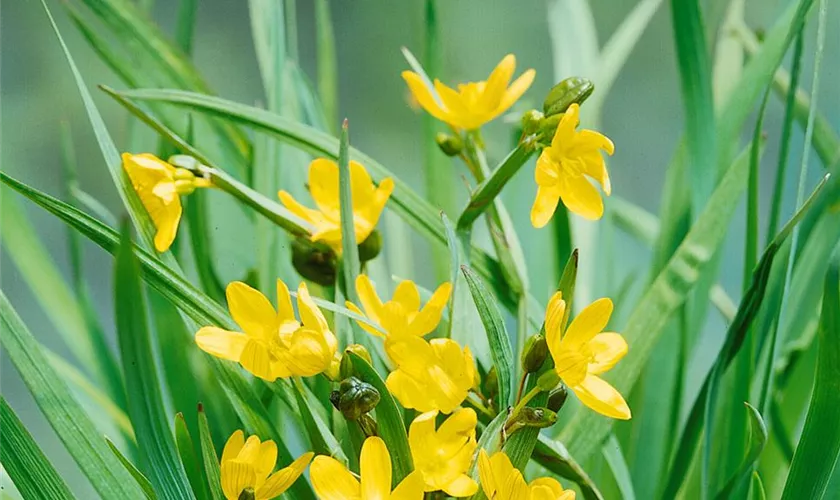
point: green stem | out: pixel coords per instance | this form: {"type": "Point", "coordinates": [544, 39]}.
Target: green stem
{"type": "Point", "coordinates": [523, 402]}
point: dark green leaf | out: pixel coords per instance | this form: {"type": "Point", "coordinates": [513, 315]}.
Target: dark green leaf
{"type": "Point", "coordinates": [758, 438]}
{"type": "Point", "coordinates": [142, 480]}
{"type": "Point", "coordinates": [208, 456]}
{"type": "Point", "coordinates": [186, 450]}
{"type": "Point", "coordinates": [556, 458]}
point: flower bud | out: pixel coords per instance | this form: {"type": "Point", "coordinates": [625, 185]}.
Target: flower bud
{"type": "Point", "coordinates": [355, 398]}
{"type": "Point", "coordinates": [534, 353]}
{"type": "Point", "coordinates": [548, 380]}
{"type": "Point", "coordinates": [537, 418]}
{"type": "Point", "coordinates": [557, 398]}
{"type": "Point", "coordinates": [491, 384]}
{"type": "Point", "coordinates": [531, 121]}
{"type": "Point", "coordinates": [247, 494]}
{"type": "Point", "coordinates": [369, 249]}
{"type": "Point", "coordinates": [316, 263]}
{"type": "Point", "coordinates": [451, 145]}
{"type": "Point", "coordinates": [347, 370]}
{"type": "Point", "coordinates": [564, 94]}
{"type": "Point", "coordinates": [368, 425]}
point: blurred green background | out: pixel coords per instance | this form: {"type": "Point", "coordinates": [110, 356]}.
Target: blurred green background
{"type": "Point", "coordinates": [642, 114]}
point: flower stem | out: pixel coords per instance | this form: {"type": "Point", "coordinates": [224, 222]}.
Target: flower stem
{"type": "Point", "coordinates": [523, 402]}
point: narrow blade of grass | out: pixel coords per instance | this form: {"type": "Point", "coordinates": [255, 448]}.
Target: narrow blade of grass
{"type": "Point", "coordinates": [138, 476]}
{"type": "Point", "coordinates": [621, 473]}
{"type": "Point", "coordinates": [209, 457]}
{"type": "Point", "coordinates": [327, 62]}
{"type": "Point", "coordinates": [189, 459]}
{"type": "Point", "coordinates": [556, 458]}
{"type": "Point", "coordinates": [454, 266]}
{"type": "Point", "coordinates": [757, 440]}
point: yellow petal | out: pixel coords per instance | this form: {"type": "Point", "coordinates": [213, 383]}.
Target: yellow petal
{"type": "Point", "coordinates": [375, 469]}
{"type": "Point", "coordinates": [314, 217]}
{"type": "Point", "coordinates": [281, 480]}
{"type": "Point", "coordinates": [332, 481]}
{"type": "Point", "coordinates": [408, 391]}
{"type": "Point", "coordinates": [487, 475]}
{"type": "Point", "coordinates": [152, 179]}
{"type": "Point", "coordinates": [221, 343]}
{"type": "Point", "coordinates": [368, 297]}
{"type": "Point", "coordinates": [597, 140]}
{"type": "Point", "coordinates": [554, 313]}
{"type": "Point", "coordinates": [452, 100]}
{"type": "Point", "coordinates": [250, 452]}
{"type": "Point", "coordinates": [236, 476]}
{"type": "Point", "coordinates": [361, 186]}
{"type": "Point", "coordinates": [461, 486]}
{"type": "Point", "coordinates": [421, 437]}
{"type": "Point", "coordinates": [429, 317]}
{"type": "Point", "coordinates": [285, 311]}
{"type": "Point", "coordinates": [581, 197]}
{"type": "Point", "coordinates": [515, 91]}
{"type": "Point", "coordinates": [251, 310]}
{"type": "Point", "coordinates": [563, 136]}
{"type": "Point", "coordinates": [309, 353]}
{"type": "Point", "coordinates": [546, 488]}
{"type": "Point", "coordinates": [547, 173]}
{"type": "Point", "coordinates": [167, 225]}
{"type": "Point", "coordinates": [368, 328]}
{"type": "Point", "coordinates": [460, 425]}
{"type": "Point", "coordinates": [497, 82]}
{"type": "Point", "coordinates": [599, 395]}
{"type": "Point", "coordinates": [608, 349]}
{"type": "Point", "coordinates": [310, 315]}
{"type": "Point", "coordinates": [256, 360]}
{"type": "Point", "coordinates": [266, 459]}
{"type": "Point", "coordinates": [371, 213]}
{"type": "Point", "coordinates": [544, 206]}
{"type": "Point", "coordinates": [423, 94]}
{"type": "Point", "coordinates": [570, 364]}
{"type": "Point", "coordinates": [515, 486]}
{"type": "Point", "coordinates": [412, 354]}
{"type": "Point", "coordinates": [589, 322]}
{"type": "Point", "coordinates": [233, 446]}
{"type": "Point", "coordinates": [406, 295]}
{"type": "Point", "coordinates": [411, 488]}
{"type": "Point", "coordinates": [323, 184]}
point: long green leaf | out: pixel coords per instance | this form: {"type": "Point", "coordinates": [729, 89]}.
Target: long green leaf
{"type": "Point", "coordinates": [189, 459]}
{"type": "Point", "coordinates": [554, 456]}
{"type": "Point", "coordinates": [322, 439]}
{"type": "Point", "coordinates": [819, 447]}
{"type": "Point", "coordinates": [758, 438]}
{"type": "Point", "coordinates": [145, 402]}
{"type": "Point", "coordinates": [209, 457]}
{"type": "Point", "coordinates": [138, 476]}
{"type": "Point", "coordinates": [497, 336]}
{"type": "Point", "coordinates": [621, 473]}
{"type": "Point", "coordinates": [350, 250]}
{"type": "Point", "coordinates": [62, 411]}
{"type": "Point", "coordinates": [27, 466]}
{"type": "Point", "coordinates": [327, 62]}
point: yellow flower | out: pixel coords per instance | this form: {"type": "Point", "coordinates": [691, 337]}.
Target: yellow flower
{"type": "Point", "coordinates": [582, 353]}
{"type": "Point", "coordinates": [368, 202]}
{"type": "Point", "coordinates": [562, 167]}
{"type": "Point", "coordinates": [158, 185]}
{"type": "Point", "coordinates": [444, 456]}
{"type": "Point", "coordinates": [402, 314]}
{"type": "Point", "coordinates": [274, 344]}
{"type": "Point", "coordinates": [246, 465]}
{"type": "Point", "coordinates": [434, 375]}
{"type": "Point", "coordinates": [475, 103]}
{"type": "Point", "coordinates": [332, 481]}
{"type": "Point", "coordinates": [500, 480]}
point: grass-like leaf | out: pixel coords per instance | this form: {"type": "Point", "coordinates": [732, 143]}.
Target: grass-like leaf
{"type": "Point", "coordinates": [189, 459]}
{"type": "Point", "coordinates": [209, 457]}
{"type": "Point", "coordinates": [350, 250]}
{"type": "Point", "coordinates": [138, 476]}
{"type": "Point", "coordinates": [554, 456]}
{"type": "Point", "coordinates": [757, 440]}
{"type": "Point", "coordinates": [322, 439]}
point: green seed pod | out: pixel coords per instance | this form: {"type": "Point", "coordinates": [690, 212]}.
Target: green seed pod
{"type": "Point", "coordinates": [531, 121]}
{"type": "Point", "coordinates": [316, 263]}
{"type": "Point", "coordinates": [368, 425]}
{"type": "Point", "coordinates": [557, 398]}
{"type": "Point", "coordinates": [548, 380]}
{"type": "Point", "coordinates": [534, 354]}
{"type": "Point", "coordinates": [356, 398]}
{"type": "Point", "coordinates": [548, 126]}
{"type": "Point", "coordinates": [369, 249]}
{"type": "Point", "coordinates": [346, 368]}
{"type": "Point", "coordinates": [491, 384]}
{"type": "Point", "coordinates": [451, 145]}
{"type": "Point", "coordinates": [537, 417]}
{"type": "Point", "coordinates": [247, 494]}
{"type": "Point", "coordinates": [570, 91]}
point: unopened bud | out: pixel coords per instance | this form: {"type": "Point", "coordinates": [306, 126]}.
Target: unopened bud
{"type": "Point", "coordinates": [368, 425]}
{"type": "Point", "coordinates": [355, 398]}
{"type": "Point", "coordinates": [369, 249]}
{"type": "Point", "coordinates": [247, 494]}
{"type": "Point", "coordinates": [314, 262]}
{"type": "Point", "coordinates": [537, 418]}
{"type": "Point", "coordinates": [491, 384]}
{"type": "Point", "coordinates": [557, 398]}
{"type": "Point", "coordinates": [347, 370]}
{"type": "Point", "coordinates": [531, 121]}
{"type": "Point", "coordinates": [451, 145]}
{"type": "Point", "coordinates": [570, 91]}
{"type": "Point", "coordinates": [534, 354]}
{"type": "Point", "coordinates": [548, 380]}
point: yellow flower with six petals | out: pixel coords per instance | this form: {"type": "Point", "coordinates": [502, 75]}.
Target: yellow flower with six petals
{"type": "Point", "coordinates": [159, 184]}
{"type": "Point", "coordinates": [435, 375]}
{"type": "Point", "coordinates": [275, 344]}
{"type": "Point", "coordinates": [246, 465]}
{"type": "Point", "coordinates": [583, 352]}
{"type": "Point", "coordinates": [402, 314]}
{"type": "Point", "coordinates": [474, 103]}
{"type": "Point", "coordinates": [332, 481]}
{"type": "Point", "coordinates": [444, 456]}
{"type": "Point", "coordinates": [562, 169]}
{"type": "Point", "coordinates": [368, 202]}
{"type": "Point", "coordinates": [500, 480]}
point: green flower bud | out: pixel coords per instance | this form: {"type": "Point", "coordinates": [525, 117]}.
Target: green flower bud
{"type": "Point", "coordinates": [451, 145]}
{"type": "Point", "coordinates": [316, 263]}
{"type": "Point", "coordinates": [355, 398]}
{"type": "Point", "coordinates": [369, 249]}
{"type": "Point", "coordinates": [491, 384]}
{"type": "Point", "coordinates": [247, 494]}
{"type": "Point", "coordinates": [548, 380]}
{"type": "Point", "coordinates": [531, 121]}
{"type": "Point", "coordinates": [537, 418]}
{"type": "Point", "coordinates": [570, 91]}
{"type": "Point", "coordinates": [557, 398]}
{"type": "Point", "coordinates": [368, 425]}
{"type": "Point", "coordinates": [346, 368]}
{"type": "Point", "coordinates": [548, 126]}
{"type": "Point", "coordinates": [534, 354]}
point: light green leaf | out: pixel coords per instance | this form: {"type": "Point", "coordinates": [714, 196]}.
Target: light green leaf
{"type": "Point", "coordinates": [327, 62]}
{"type": "Point", "coordinates": [320, 437]}
{"type": "Point", "coordinates": [186, 451]}
{"type": "Point", "coordinates": [350, 251]}
{"type": "Point", "coordinates": [552, 455]}
{"type": "Point", "coordinates": [757, 440]}
{"type": "Point", "coordinates": [130, 467]}
{"type": "Point", "coordinates": [621, 473]}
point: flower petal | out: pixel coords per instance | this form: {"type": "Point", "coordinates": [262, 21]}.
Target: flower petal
{"type": "Point", "coordinates": [361, 186]}
{"type": "Point", "coordinates": [281, 480]}
{"type": "Point", "coordinates": [251, 310]}
{"type": "Point", "coordinates": [411, 488]}
{"type": "Point", "coordinates": [375, 469]}
{"type": "Point", "coordinates": [487, 475]}
{"type": "Point", "coordinates": [544, 206]}
{"type": "Point", "coordinates": [310, 314]}
{"type": "Point", "coordinates": [314, 217]}
{"type": "Point", "coordinates": [267, 458]}
{"type": "Point", "coordinates": [368, 217]}
{"type": "Point", "coordinates": [581, 197]}
{"type": "Point", "coordinates": [406, 295]}
{"type": "Point", "coordinates": [589, 322]}
{"type": "Point", "coordinates": [547, 173]}
{"type": "Point", "coordinates": [599, 395]}
{"type": "Point", "coordinates": [554, 313]}
{"type": "Point", "coordinates": [285, 311]}
{"type": "Point", "coordinates": [423, 94]}
{"type": "Point", "coordinates": [332, 481]}
{"type": "Point", "coordinates": [421, 438]}
{"type": "Point", "coordinates": [429, 317]}
{"type": "Point", "coordinates": [323, 184]}
{"type": "Point", "coordinates": [461, 486]}
{"type": "Point", "coordinates": [515, 91]}
{"type": "Point", "coordinates": [497, 82]}
{"type": "Point", "coordinates": [256, 360]}
{"type": "Point", "coordinates": [368, 328]}
{"type": "Point", "coordinates": [309, 353]}
{"type": "Point", "coordinates": [459, 426]}
{"type": "Point", "coordinates": [564, 135]}
{"type": "Point", "coordinates": [166, 221]}
{"type": "Point", "coordinates": [369, 298]}
{"type": "Point", "coordinates": [235, 477]}
{"type": "Point", "coordinates": [233, 446]}
{"type": "Point", "coordinates": [221, 343]}
{"type": "Point", "coordinates": [452, 101]}
{"type": "Point", "coordinates": [608, 349]}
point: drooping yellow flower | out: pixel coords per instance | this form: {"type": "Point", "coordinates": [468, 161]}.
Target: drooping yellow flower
{"type": "Point", "coordinates": [563, 168]}
{"type": "Point", "coordinates": [434, 375]}
{"type": "Point", "coordinates": [474, 103]}
{"type": "Point", "coordinates": [368, 201]}
{"type": "Point", "coordinates": [246, 465]}
{"type": "Point", "coordinates": [158, 185]}
{"type": "Point", "coordinates": [500, 480]}
{"type": "Point", "coordinates": [402, 314]}
{"type": "Point", "coordinates": [583, 352]}
{"type": "Point", "coordinates": [274, 343]}
{"type": "Point", "coordinates": [444, 456]}
{"type": "Point", "coordinates": [332, 481]}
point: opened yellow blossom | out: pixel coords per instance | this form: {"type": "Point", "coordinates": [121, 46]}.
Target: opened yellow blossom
{"type": "Point", "coordinates": [402, 314]}
{"type": "Point", "coordinates": [332, 481]}
{"type": "Point", "coordinates": [274, 343]}
{"type": "Point", "coordinates": [583, 352]}
{"type": "Point", "coordinates": [368, 202]}
{"type": "Point", "coordinates": [444, 455]}
{"type": "Point", "coordinates": [474, 103]}
{"type": "Point", "coordinates": [434, 375]}
{"type": "Point", "coordinates": [563, 168]}
{"type": "Point", "coordinates": [246, 465]}
{"type": "Point", "coordinates": [159, 184]}
{"type": "Point", "coordinates": [500, 480]}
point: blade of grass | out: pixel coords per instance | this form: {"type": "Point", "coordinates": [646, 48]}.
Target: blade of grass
{"type": "Point", "coordinates": [819, 447]}
{"type": "Point", "coordinates": [327, 62]}
{"type": "Point", "coordinates": [322, 440]}
{"type": "Point", "coordinates": [729, 54]}
{"type": "Point", "coordinates": [65, 415]}
{"type": "Point", "coordinates": [618, 466]}
{"type": "Point", "coordinates": [27, 466]}
{"type": "Point", "coordinates": [454, 266]}
{"type": "Point", "coordinates": [350, 250]}
{"type": "Point", "coordinates": [556, 458]}
{"type": "Point", "coordinates": [757, 441]}
{"type": "Point", "coordinates": [132, 469]}
{"type": "Point", "coordinates": [208, 456]}
{"type": "Point", "coordinates": [145, 402]}
{"type": "Point", "coordinates": [185, 25]}
{"type": "Point", "coordinates": [186, 451]}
